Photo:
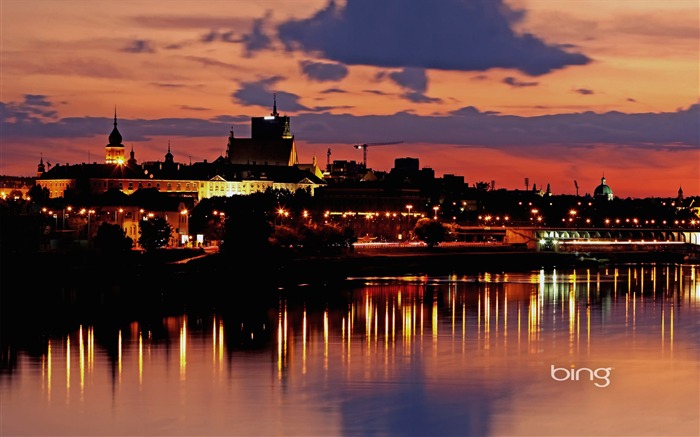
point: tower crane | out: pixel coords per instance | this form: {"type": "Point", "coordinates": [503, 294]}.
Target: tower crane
{"type": "Point", "coordinates": [366, 145]}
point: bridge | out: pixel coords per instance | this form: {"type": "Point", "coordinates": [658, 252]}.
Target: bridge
{"type": "Point", "coordinates": [581, 239]}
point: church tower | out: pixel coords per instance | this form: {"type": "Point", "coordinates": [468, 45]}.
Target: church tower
{"type": "Point", "coordinates": [40, 169]}
{"type": "Point", "coordinates": [115, 148]}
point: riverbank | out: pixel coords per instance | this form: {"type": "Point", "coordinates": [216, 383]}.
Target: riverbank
{"type": "Point", "coordinates": [415, 262]}
{"type": "Point", "coordinates": [196, 266]}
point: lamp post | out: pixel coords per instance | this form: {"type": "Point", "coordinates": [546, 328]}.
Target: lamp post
{"type": "Point", "coordinates": [90, 212]}
{"type": "Point", "coordinates": [408, 222]}
{"type": "Point", "coordinates": [69, 209]}
{"type": "Point", "coordinates": [435, 209]}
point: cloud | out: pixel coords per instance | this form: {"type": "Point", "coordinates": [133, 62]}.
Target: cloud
{"type": "Point", "coordinates": [417, 97]}
{"type": "Point", "coordinates": [466, 127]}
{"type": "Point", "coordinates": [448, 35]}
{"type": "Point", "coordinates": [323, 71]}
{"type": "Point", "coordinates": [334, 91]}
{"type": "Point", "coordinates": [584, 91]}
{"type": "Point", "coordinates": [209, 62]}
{"type": "Point", "coordinates": [413, 79]}
{"type": "Point", "coordinates": [517, 83]}
{"type": "Point", "coordinates": [260, 93]}
{"type": "Point", "coordinates": [193, 108]}
{"type": "Point", "coordinates": [139, 46]}
{"type": "Point", "coordinates": [36, 100]}
{"type": "Point", "coordinates": [257, 39]}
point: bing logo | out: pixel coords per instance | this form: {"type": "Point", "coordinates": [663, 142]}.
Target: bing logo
{"type": "Point", "coordinates": [600, 376]}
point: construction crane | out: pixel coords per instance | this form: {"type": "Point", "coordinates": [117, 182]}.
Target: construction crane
{"type": "Point", "coordinates": [367, 145]}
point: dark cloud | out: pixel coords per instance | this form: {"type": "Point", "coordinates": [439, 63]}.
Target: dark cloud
{"type": "Point", "coordinates": [413, 79]}
{"type": "Point", "coordinates": [323, 71]}
{"type": "Point", "coordinates": [33, 111]}
{"type": "Point", "coordinates": [472, 35]}
{"type": "Point", "coordinates": [417, 97]}
{"type": "Point", "coordinates": [257, 39]}
{"type": "Point", "coordinates": [139, 46]}
{"type": "Point", "coordinates": [471, 127]}
{"type": "Point", "coordinates": [376, 92]}
{"type": "Point", "coordinates": [168, 85]}
{"type": "Point", "coordinates": [36, 100]}
{"type": "Point", "coordinates": [466, 127]}
{"type": "Point", "coordinates": [584, 91]}
{"type": "Point", "coordinates": [333, 91]}
{"type": "Point", "coordinates": [193, 108]}
{"type": "Point", "coordinates": [517, 83]}
{"type": "Point", "coordinates": [261, 94]}
{"type": "Point", "coordinates": [212, 36]}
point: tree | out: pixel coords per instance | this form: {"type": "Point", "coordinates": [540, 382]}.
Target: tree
{"type": "Point", "coordinates": [112, 238]}
{"type": "Point", "coordinates": [247, 228]}
{"type": "Point", "coordinates": [154, 233]}
{"type": "Point", "coordinates": [39, 194]}
{"type": "Point", "coordinates": [432, 232]}
{"type": "Point", "coordinates": [483, 186]}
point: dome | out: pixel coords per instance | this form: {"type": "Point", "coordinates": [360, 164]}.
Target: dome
{"type": "Point", "coordinates": [115, 138]}
{"type": "Point", "coordinates": [603, 191]}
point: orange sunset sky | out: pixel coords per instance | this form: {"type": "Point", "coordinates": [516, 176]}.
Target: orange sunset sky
{"type": "Point", "coordinates": [555, 91]}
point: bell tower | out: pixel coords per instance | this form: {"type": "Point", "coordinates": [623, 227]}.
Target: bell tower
{"type": "Point", "coordinates": [115, 148]}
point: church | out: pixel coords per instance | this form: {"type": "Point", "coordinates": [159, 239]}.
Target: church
{"type": "Point", "coordinates": [267, 160]}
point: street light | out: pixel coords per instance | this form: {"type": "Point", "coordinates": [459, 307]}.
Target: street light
{"type": "Point", "coordinates": [408, 221]}
{"type": "Point", "coordinates": [435, 208]}
{"type": "Point", "coordinates": [69, 209]}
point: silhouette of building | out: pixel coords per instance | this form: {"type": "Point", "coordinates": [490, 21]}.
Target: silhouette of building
{"type": "Point", "coordinates": [266, 161]}
{"type": "Point", "coordinates": [603, 191]}
{"type": "Point", "coordinates": [271, 142]}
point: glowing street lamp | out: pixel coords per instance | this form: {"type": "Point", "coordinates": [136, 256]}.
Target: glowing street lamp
{"type": "Point", "coordinates": [69, 209]}
{"type": "Point", "coordinates": [409, 207]}
{"type": "Point", "coordinates": [435, 209]}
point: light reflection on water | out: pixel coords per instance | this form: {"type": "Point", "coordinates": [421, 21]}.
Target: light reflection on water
{"type": "Point", "coordinates": [457, 355]}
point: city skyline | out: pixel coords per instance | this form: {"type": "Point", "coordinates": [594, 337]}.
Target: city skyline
{"type": "Point", "coordinates": [489, 90]}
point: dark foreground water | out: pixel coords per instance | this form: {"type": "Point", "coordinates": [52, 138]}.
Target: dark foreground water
{"type": "Point", "coordinates": [551, 352]}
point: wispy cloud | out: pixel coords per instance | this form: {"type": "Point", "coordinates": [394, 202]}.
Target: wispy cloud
{"type": "Point", "coordinates": [512, 81]}
{"type": "Point", "coordinates": [323, 71]}
{"type": "Point", "coordinates": [139, 46]}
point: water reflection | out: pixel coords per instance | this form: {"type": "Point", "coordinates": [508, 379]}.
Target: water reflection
{"type": "Point", "coordinates": [576, 352]}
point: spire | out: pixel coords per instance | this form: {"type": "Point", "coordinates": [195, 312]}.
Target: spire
{"type": "Point", "coordinates": [169, 156]}
{"type": "Point", "coordinates": [132, 159]}
{"type": "Point", "coordinates": [115, 138]}
{"type": "Point", "coordinates": [40, 168]}
{"type": "Point", "coordinates": [274, 105]}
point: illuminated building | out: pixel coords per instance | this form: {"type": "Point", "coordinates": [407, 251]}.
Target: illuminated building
{"type": "Point", "coordinates": [268, 160]}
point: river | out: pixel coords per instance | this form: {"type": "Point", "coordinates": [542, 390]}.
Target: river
{"type": "Point", "coordinates": [552, 352]}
